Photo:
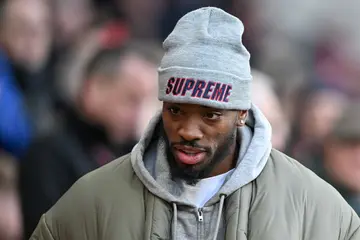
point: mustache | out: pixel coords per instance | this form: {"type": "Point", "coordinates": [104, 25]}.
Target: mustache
{"type": "Point", "coordinates": [193, 144]}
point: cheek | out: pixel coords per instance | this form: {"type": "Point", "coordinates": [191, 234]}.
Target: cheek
{"type": "Point", "coordinates": [216, 141]}
{"type": "Point", "coordinates": [220, 132]}
{"type": "Point", "coordinates": [169, 126]}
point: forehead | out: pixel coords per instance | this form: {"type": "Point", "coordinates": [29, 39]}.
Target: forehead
{"type": "Point", "coordinates": [34, 10]}
{"type": "Point", "coordinates": [131, 63]}
{"type": "Point", "coordinates": [193, 107]}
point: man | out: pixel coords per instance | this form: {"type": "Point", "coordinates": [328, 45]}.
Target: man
{"type": "Point", "coordinates": [341, 161]}
{"type": "Point", "coordinates": [265, 97]}
{"type": "Point", "coordinates": [26, 40]}
{"type": "Point", "coordinates": [311, 128]}
{"type": "Point", "coordinates": [205, 168]}
{"type": "Point", "coordinates": [26, 33]}
{"type": "Point", "coordinates": [101, 126]}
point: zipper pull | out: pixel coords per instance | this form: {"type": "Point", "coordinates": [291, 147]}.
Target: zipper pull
{"type": "Point", "coordinates": [200, 215]}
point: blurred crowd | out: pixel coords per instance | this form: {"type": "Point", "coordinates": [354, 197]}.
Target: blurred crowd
{"type": "Point", "coordinates": [78, 85]}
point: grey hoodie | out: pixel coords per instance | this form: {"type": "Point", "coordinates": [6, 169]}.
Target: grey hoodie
{"type": "Point", "coordinates": [189, 222]}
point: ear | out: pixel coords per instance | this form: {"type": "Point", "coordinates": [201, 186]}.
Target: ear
{"type": "Point", "coordinates": [241, 118]}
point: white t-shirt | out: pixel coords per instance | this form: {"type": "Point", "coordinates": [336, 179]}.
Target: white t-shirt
{"type": "Point", "coordinates": [204, 190]}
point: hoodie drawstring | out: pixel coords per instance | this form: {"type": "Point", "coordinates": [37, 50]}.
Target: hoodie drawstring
{"type": "Point", "coordinates": [222, 200]}
{"type": "Point", "coordinates": [174, 221]}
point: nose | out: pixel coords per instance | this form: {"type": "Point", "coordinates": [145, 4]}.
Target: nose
{"type": "Point", "coordinates": [190, 131]}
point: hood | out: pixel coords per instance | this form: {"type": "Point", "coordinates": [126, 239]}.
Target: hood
{"type": "Point", "coordinates": [150, 164]}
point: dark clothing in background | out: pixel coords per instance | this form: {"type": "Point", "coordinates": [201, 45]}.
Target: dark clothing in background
{"type": "Point", "coordinates": [354, 202]}
{"type": "Point", "coordinates": [352, 199]}
{"type": "Point", "coordinates": [55, 162]}
{"type": "Point", "coordinates": [40, 95]}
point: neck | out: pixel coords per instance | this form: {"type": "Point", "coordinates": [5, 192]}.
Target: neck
{"type": "Point", "coordinates": [229, 162]}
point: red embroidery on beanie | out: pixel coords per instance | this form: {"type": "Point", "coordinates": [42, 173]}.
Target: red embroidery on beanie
{"type": "Point", "coordinates": [199, 88]}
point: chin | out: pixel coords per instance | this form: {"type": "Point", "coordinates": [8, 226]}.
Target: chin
{"type": "Point", "coordinates": [196, 170]}
{"type": "Point", "coordinates": [197, 166]}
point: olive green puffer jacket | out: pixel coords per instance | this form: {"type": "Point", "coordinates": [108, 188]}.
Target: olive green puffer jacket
{"type": "Point", "coordinates": [285, 202]}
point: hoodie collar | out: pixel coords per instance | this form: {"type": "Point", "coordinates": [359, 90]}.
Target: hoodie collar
{"type": "Point", "coordinates": [150, 165]}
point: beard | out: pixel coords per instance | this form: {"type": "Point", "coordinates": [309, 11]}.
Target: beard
{"type": "Point", "coordinates": [191, 174]}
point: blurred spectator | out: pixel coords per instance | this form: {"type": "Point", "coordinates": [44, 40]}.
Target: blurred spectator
{"type": "Point", "coordinates": [72, 18]}
{"type": "Point", "coordinates": [72, 63]}
{"type": "Point", "coordinates": [326, 47]}
{"type": "Point", "coordinates": [116, 85]}
{"type": "Point", "coordinates": [26, 37]}
{"type": "Point", "coordinates": [265, 98]}
{"type": "Point", "coordinates": [342, 156]}
{"type": "Point", "coordinates": [25, 32]}
{"type": "Point", "coordinates": [333, 65]}
{"type": "Point", "coordinates": [10, 217]}
{"type": "Point", "coordinates": [117, 82]}
{"type": "Point", "coordinates": [315, 113]}
{"type": "Point", "coordinates": [15, 128]}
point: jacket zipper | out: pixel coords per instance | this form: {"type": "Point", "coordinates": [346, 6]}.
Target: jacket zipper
{"type": "Point", "coordinates": [200, 215]}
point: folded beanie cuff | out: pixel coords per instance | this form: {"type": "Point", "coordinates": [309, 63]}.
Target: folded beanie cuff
{"type": "Point", "coordinates": [204, 87]}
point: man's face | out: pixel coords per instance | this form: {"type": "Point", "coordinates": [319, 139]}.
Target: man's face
{"type": "Point", "coordinates": [199, 138]}
{"type": "Point", "coordinates": [26, 32]}
{"type": "Point", "coordinates": [323, 110]}
{"type": "Point", "coordinates": [118, 103]}
{"type": "Point", "coordinates": [71, 18]}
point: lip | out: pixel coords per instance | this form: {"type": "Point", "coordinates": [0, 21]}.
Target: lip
{"type": "Point", "coordinates": [189, 155]}
{"type": "Point", "coordinates": [189, 149]}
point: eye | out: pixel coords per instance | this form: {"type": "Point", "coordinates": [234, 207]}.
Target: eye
{"type": "Point", "coordinates": [174, 110]}
{"type": "Point", "coordinates": [213, 115]}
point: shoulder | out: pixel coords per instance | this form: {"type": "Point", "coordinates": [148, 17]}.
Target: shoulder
{"type": "Point", "coordinates": [281, 167]}
{"type": "Point", "coordinates": [119, 170]}
{"type": "Point", "coordinates": [112, 190]}
{"type": "Point", "coordinates": [105, 182]}
{"type": "Point", "coordinates": [300, 192]}
{"type": "Point", "coordinates": [291, 176]}
{"type": "Point", "coordinates": [290, 173]}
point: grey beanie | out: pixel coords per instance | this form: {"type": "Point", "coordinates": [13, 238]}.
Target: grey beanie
{"type": "Point", "coordinates": [205, 62]}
